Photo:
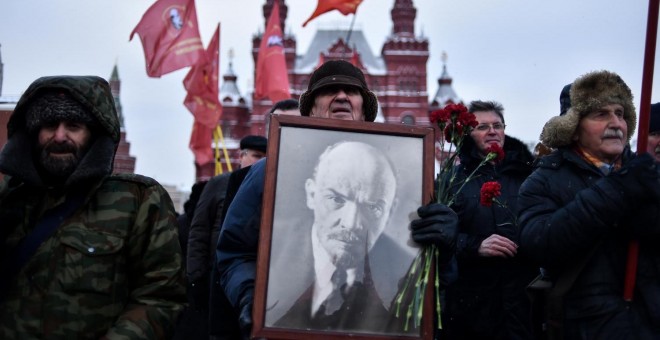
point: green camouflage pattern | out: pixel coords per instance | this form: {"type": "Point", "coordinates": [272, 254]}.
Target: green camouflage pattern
{"type": "Point", "coordinates": [113, 269]}
{"type": "Point", "coordinates": [92, 92]}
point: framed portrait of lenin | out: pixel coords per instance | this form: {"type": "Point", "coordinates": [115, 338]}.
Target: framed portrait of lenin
{"type": "Point", "coordinates": [335, 242]}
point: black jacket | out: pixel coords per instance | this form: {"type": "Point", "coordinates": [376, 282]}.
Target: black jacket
{"type": "Point", "coordinates": [205, 228]}
{"type": "Point", "coordinates": [568, 208]}
{"type": "Point", "coordinates": [477, 302]}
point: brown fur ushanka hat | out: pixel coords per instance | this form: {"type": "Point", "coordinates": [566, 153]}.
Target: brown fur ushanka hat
{"type": "Point", "coordinates": [588, 93]}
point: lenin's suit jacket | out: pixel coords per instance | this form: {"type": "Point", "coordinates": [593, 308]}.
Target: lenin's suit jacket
{"type": "Point", "coordinates": [291, 280]}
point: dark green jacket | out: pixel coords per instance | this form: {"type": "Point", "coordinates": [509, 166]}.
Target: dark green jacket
{"type": "Point", "coordinates": [112, 268]}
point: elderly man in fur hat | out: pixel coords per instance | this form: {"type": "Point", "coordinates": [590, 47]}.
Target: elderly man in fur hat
{"type": "Point", "coordinates": [580, 208]}
{"type": "Point", "coordinates": [337, 90]}
{"type": "Point", "coordinates": [86, 254]}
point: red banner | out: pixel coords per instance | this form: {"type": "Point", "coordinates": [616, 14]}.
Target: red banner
{"type": "Point", "coordinates": [346, 7]}
{"type": "Point", "coordinates": [201, 82]}
{"type": "Point", "coordinates": [170, 36]}
{"type": "Point", "coordinates": [272, 76]}
{"type": "Point", "coordinates": [200, 143]}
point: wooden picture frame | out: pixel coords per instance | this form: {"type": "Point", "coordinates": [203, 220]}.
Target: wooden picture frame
{"type": "Point", "coordinates": [300, 237]}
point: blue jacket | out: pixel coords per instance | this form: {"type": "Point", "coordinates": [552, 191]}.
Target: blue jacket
{"type": "Point", "coordinates": [236, 253]}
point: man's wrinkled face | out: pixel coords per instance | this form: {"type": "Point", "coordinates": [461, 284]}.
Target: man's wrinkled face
{"type": "Point", "coordinates": [489, 131]}
{"type": "Point", "coordinates": [653, 145]}
{"type": "Point", "coordinates": [61, 146]}
{"type": "Point", "coordinates": [338, 102]}
{"type": "Point", "coordinates": [603, 133]}
{"type": "Point", "coordinates": [351, 196]}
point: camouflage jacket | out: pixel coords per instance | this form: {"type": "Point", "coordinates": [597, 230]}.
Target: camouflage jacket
{"type": "Point", "coordinates": [113, 267]}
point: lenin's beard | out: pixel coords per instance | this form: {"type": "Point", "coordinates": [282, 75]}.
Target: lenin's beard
{"type": "Point", "coordinates": [56, 169]}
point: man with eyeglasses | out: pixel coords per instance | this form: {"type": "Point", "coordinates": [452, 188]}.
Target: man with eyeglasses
{"type": "Point", "coordinates": [487, 300]}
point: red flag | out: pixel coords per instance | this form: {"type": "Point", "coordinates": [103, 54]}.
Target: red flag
{"type": "Point", "coordinates": [272, 77]}
{"type": "Point", "coordinates": [201, 82]}
{"type": "Point", "coordinates": [200, 143]}
{"type": "Point", "coordinates": [346, 7]}
{"type": "Point", "coordinates": [170, 36]}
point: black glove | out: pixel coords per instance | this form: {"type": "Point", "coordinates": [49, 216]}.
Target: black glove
{"type": "Point", "coordinates": [438, 225]}
{"type": "Point", "coordinates": [638, 179]}
{"type": "Point", "coordinates": [245, 313]}
{"type": "Point", "coordinates": [199, 293]}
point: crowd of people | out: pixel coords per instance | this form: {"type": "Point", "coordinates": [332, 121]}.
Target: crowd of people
{"type": "Point", "coordinates": [91, 254]}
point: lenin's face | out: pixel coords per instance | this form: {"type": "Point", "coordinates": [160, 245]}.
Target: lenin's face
{"type": "Point", "coordinates": [351, 196]}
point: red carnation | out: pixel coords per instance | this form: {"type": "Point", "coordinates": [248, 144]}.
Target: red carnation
{"type": "Point", "coordinates": [467, 119]}
{"type": "Point", "coordinates": [456, 109]}
{"type": "Point", "coordinates": [489, 192]}
{"type": "Point", "coordinates": [440, 116]}
{"type": "Point", "coordinates": [497, 150]}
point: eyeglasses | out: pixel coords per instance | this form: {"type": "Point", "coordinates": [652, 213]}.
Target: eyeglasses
{"type": "Point", "coordinates": [487, 127]}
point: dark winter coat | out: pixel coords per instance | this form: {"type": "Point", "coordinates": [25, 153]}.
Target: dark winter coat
{"type": "Point", "coordinates": [204, 228]}
{"type": "Point", "coordinates": [569, 208]}
{"type": "Point", "coordinates": [488, 298]}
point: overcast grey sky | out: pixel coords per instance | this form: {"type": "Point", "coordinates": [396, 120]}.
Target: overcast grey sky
{"type": "Point", "coordinates": [518, 52]}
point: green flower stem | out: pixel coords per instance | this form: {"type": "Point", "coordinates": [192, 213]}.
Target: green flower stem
{"type": "Point", "coordinates": [437, 287]}
{"type": "Point", "coordinates": [410, 278]}
{"type": "Point", "coordinates": [486, 159]}
{"type": "Point", "coordinates": [514, 218]}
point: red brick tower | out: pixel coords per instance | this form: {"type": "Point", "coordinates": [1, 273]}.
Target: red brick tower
{"type": "Point", "coordinates": [403, 96]}
{"type": "Point", "coordinates": [124, 162]}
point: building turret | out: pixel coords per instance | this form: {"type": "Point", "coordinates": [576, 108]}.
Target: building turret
{"type": "Point", "coordinates": [403, 18]}
{"type": "Point", "coordinates": [445, 94]}
{"type": "Point", "coordinates": [234, 122]}
{"type": "Point", "coordinates": [124, 162]}
{"type": "Point", "coordinates": [405, 97]}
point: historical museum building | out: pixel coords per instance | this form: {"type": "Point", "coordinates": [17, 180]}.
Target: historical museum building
{"type": "Point", "coordinates": [397, 76]}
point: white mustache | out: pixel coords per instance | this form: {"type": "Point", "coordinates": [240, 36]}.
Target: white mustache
{"type": "Point", "coordinates": [613, 133]}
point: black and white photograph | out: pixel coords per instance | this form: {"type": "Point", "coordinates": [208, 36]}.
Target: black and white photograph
{"type": "Point", "coordinates": [340, 241]}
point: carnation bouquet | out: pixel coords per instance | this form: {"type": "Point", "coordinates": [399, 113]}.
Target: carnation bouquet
{"type": "Point", "coordinates": [455, 124]}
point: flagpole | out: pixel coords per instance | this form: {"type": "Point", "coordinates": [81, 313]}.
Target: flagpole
{"type": "Point", "coordinates": [642, 132]}
{"type": "Point", "coordinates": [348, 35]}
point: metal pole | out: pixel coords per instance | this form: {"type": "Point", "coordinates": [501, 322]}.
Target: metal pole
{"type": "Point", "coordinates": [642, 132]}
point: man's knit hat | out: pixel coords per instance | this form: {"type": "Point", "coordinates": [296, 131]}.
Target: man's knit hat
{"type": "Point", "coordinates": [588, 93]}
{"type": "Point", "coordinates": [339, 72]}
{"type": "Point", "coordinates": [51, 107]}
